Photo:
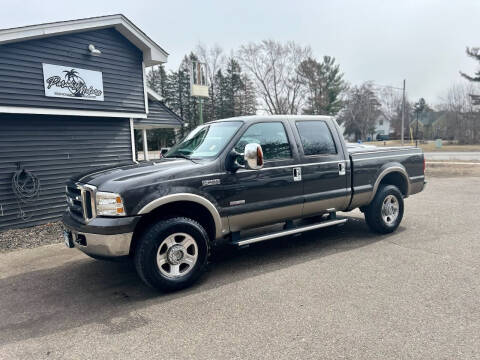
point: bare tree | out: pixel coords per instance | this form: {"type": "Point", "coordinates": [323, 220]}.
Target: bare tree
{"type": "Point", "coordinates": [460, 118]}
{"type": "Point", "coordinates": [391, 101]}
{"type": "Point", "coordinates": [273, 67]}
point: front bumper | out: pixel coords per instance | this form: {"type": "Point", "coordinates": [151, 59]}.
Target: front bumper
{"type": "Point", "coordinates": [102, 237]}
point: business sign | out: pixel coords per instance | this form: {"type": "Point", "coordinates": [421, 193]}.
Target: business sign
{"type": "Point", "coordinates": [68, 82]}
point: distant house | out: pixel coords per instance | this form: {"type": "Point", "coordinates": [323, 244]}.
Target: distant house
{"type": "Point", "coordinates": [382, 127]}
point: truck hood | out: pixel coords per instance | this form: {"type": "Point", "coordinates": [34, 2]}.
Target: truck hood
{"type": "Point", "coordinates": [133, 172]}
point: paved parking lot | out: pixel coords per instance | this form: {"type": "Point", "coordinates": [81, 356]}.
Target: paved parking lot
{"type": "Point", "coordinates": [332, 293]}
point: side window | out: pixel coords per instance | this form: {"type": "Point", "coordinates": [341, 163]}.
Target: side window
{"type": "Point", "coordinates": [271, 136]}
{"type": "Point", "coordinates": [316, 138]}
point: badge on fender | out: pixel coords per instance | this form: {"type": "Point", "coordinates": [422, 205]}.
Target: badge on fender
{"type": "Point", "coordinates": [210, 182]}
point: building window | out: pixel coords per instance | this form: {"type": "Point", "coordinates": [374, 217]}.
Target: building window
{"type": "Point", "coordinates": [380, 122]}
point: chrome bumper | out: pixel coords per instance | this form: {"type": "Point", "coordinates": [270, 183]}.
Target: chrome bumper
{"type": "Point", "coordinates": [102, 245]}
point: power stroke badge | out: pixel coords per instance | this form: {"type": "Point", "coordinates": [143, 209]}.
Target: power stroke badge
{"type": "Point", "coordinates": [68, 82]}
{"type": "Point", "coordinates": [210, 182]}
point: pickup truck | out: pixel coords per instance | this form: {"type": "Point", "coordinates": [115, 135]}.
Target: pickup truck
{"type": "Point", "coordinates": [228, 176]}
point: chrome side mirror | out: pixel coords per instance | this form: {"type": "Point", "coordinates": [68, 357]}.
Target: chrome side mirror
{"type": "Point", "coordinates": [253, 156]}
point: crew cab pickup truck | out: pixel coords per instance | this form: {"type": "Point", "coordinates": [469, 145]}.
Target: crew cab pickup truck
{"type": "Point", "coordinates": [231, 175]}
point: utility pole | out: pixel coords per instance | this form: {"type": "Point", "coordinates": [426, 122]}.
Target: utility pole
{"type": "Point", "coordinates": [416, 133]}
{"type": "Point", "coordinates": [200, 111]}
{"type": "Point", "coordinates": [403, 113]}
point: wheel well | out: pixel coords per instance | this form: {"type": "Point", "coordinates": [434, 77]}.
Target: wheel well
{"type": "Point", "coordinates": [188, 209]}
{"type": "Point", "coordinates": [397, 179]}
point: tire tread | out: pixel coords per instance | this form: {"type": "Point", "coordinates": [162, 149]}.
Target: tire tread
{"type": "Point", "coordinates": [147, 242]}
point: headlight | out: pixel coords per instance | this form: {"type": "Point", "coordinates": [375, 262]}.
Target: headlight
{"type": "Point", "coordinates": [109, 204]}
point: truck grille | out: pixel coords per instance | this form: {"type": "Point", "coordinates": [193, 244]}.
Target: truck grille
{"type": "Point", "coordinates": [81, 201]}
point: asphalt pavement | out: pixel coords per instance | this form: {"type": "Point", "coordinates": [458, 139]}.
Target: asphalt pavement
{"type": "Point", "coordinates": [336, 293]}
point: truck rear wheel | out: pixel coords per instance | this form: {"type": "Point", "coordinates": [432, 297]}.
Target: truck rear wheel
{"type": "Point", "coordinates": [172, 254]}
{"type": "Point", "coordinates": [385, 212]}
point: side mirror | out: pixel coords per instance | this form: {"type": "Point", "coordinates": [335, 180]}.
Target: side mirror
{"type": "Point", "coordinates": [253, 156]}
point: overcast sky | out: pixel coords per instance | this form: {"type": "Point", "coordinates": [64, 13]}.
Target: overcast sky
{"type": "Point", "coordinates": [385, 41]}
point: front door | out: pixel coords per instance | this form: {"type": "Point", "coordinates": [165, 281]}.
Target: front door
{"type": "Point", "coordinates": [323, 168]}
{"type": "Point", "coordinates": [269, 195]}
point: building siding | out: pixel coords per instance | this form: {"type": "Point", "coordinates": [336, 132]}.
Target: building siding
{"type": "Point", "coordinates": [54, 148]}
{"type": "Point", "coordinates": [159, 115]}
{"type": "Point", "coordinates": [21, 73]}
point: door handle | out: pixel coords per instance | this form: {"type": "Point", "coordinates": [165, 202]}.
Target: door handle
{"type": "Point", "coordinates": [341, 168]}
{"type": "Point", "coordinates": [297, 174]}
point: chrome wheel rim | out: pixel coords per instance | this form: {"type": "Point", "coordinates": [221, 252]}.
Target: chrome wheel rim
{"type": "Point", "coordinates": [390, 209]}
{"type": "Point", "coordinates": [177, 255]}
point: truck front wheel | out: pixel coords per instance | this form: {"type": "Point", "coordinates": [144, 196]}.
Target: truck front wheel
{"type": "Point", "coordinates": [385, 212]}
{"type": "Point", "coordinates": [172, 254]}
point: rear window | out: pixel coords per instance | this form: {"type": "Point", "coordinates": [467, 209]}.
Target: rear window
{"type": "Point", "coordinates": [316, 138]}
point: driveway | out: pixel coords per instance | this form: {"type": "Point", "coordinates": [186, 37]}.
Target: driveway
{"type": "Point", "coordinates": [333, 293]}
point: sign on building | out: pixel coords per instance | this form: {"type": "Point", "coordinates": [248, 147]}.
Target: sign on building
{"type": "Point", "coordinates": [198, 79]}
{"type": "Point", "coordinates": [76, 83]}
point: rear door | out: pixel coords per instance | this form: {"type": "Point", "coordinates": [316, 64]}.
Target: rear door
{"type": "Point", "coordinates": [324, 177]}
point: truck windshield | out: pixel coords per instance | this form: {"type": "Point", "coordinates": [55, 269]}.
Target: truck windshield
{"type": "Point", "coordinates": [205, 141]}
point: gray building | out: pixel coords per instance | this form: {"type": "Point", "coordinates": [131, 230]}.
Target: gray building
{"type": "Point", "coordinates": [71, 95]}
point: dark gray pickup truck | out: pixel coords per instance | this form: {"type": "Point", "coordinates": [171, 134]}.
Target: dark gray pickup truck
{"type": "Point", "coordinates": [231, 175]}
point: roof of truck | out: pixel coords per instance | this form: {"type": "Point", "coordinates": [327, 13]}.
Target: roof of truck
{"type": "Point", "coordinates": [252, 118]}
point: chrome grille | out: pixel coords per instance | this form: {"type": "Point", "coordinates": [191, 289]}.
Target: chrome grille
{"type": "Point", "coordinates": [81, 200]}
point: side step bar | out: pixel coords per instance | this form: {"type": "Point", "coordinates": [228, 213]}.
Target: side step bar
{"type": "Point", "coordinates": [296, 230]}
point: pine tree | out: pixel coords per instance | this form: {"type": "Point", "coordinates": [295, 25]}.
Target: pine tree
{"type": "Point", "coordinates": [247, 98]}
{"type": "Point", "coordinates": [221, 90]}
{"type": "Point", "coordinates": [361, 111]}
{"type": "Point", "coordinates": [157, 80]}
{"type": "Point", "coordinates": [233, 86]}
{"type": "Point", "coordinates": [473, 53]}
{"type": "Point", "coordinates": [324, 85]}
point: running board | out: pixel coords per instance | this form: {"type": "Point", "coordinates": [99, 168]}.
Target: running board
{"type": "Point", "coordinates": [296, 230]}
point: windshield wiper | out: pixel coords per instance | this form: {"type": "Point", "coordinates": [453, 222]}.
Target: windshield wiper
{"type": "Point", "coordinates": [178, 156]}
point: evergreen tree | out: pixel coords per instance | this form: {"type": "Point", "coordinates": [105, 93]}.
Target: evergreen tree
{"type": "Point", "coordinates": [324, 85]}
{"type": "Point", "coordinates": [220, 95]}
{"type": "Point", "coordinates": [232, 89]}
{"type": "Point", "coordinates": [247, 98]}
{"type": "Point", "coordinates": [235, 92]}
{"type": "Point", "coordinates": [157, 80]}
{"type": "Point", "coordinates": [473, 53]}
{"type": "Point", "coordinates": [361, 111]}
{"type": "Point", "coordinates": [233, 86]}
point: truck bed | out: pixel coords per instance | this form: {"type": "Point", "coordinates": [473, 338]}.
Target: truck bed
{"type": "Point", "coordinates": [370, 163]}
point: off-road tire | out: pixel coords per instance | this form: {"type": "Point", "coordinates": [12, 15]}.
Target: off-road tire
{"type": "Point", "coordinates": [373, 212]}
{"type": "Point", "coordinates": [145, 255]}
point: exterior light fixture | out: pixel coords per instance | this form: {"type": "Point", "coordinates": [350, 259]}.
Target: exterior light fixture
{"type": "Point", "coordinates": [93, 50]}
